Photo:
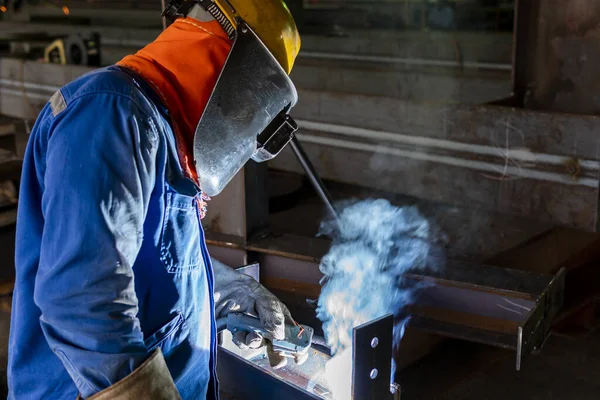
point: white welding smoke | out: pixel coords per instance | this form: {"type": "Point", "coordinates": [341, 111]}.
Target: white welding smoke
{"type": "Point", "coordinates": [374, 245]}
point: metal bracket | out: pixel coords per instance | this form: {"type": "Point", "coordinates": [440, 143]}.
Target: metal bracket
{"type": "Point", "coordinates": [372, 359]}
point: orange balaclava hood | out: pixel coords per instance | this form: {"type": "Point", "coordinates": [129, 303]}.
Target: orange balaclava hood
{"type": "Point", "coordinates": [183, 65]}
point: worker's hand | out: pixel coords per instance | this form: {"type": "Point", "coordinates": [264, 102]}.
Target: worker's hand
{"type": "Point", "coordinates": [236, 292]}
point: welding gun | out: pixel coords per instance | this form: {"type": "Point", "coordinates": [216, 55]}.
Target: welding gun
{"type": "Point", "coordinates": [297, 340]}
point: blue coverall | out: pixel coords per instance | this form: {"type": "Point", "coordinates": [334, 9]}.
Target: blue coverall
{"type": "Point", "coordinates": [111, 261]}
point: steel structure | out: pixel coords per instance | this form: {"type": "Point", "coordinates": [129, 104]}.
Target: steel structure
{"type": "Point", "coordinates": [243, 379]}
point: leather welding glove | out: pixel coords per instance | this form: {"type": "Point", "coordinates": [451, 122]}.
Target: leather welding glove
{"type": "Point", "coordinates": [236, 292]}
{"type": "Point", "coordinates": [151, 380]}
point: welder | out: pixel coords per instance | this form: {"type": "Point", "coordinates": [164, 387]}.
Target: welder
{"type": "Point", "coordinates": [116, 296]}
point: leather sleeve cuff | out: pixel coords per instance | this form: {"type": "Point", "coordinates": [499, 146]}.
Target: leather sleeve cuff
{"type": "Point", "coordinates": [151, 380]}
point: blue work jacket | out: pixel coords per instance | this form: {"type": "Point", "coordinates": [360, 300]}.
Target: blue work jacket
{"type": "Point", "coordinates": [111, 261]}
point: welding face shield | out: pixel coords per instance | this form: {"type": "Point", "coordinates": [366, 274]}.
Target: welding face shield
{"type": "Point", "coordinates": [247, 114]}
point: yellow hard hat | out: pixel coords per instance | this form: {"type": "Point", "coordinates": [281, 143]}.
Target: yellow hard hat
{"type": "Point", "coordinates": [272, 21]}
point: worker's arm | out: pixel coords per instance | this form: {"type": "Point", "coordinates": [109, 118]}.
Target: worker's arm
{"type": "Point", "coordinates": [236, 292]}
{"type": "Point", "coordinates": [99, 174]}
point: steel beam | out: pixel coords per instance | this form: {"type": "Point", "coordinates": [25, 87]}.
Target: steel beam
{"type": "Point", "coordinates": [495, 306]}
{"type": "Point", "coordinates": [558, 54]}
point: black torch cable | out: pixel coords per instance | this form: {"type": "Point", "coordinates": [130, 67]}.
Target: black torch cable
{"type": "Point", "coordinates": [313, 176]}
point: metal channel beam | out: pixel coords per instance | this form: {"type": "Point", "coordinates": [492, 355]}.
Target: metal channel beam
{"type": "Point", "coordinates": [484, 304]}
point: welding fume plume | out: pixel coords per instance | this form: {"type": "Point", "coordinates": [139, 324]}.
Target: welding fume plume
{"type": "Point", "coordinates": [374, 245]}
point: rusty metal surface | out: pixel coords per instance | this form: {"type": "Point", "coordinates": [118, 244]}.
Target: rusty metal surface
{"type": "Point", "coordinates": [515, 283]}
{"type": "Point", "coordinates": [505, 340]}
{"type": "Point", "coordinates": [296, 258]}
{"type": "Point", "coordinates": [565, 50]}
{"type": "Point", "coordinates": [532, 164]}
{"type": "Point", "coordinates": [480, 125]}
{"type": "Point", "coordinates": [498, 320]}
{"type": "Point", "coordinates": [293, 246]}
{"type": "Point", "coordinates": [486, 304]}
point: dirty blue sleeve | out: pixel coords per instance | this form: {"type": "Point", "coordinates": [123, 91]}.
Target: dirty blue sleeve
{"type": "Point", "coordinates": [99, 174]}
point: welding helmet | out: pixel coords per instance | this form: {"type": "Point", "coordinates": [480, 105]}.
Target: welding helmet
{"type": "Point", "coordinates": [246, 116]}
